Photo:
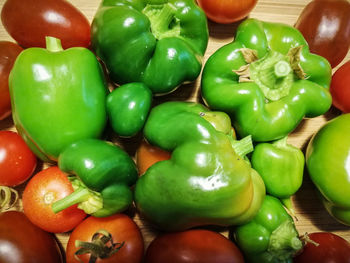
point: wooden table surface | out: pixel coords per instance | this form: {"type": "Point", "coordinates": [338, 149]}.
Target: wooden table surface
{"type": "Point", "coordinates": [311, 216]}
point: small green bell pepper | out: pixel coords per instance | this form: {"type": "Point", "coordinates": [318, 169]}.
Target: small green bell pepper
{"type": "Point", "coordinates": [58, 97]}
{"type": "Point", "coordinates": [158, 42]}
{"type": "Point", "coordinates": [102, 176]}
{"type": "Point", "coordinates": [206, 181]}
{"type": "Point", "coordinates": [128, 107]}
{"type": "Point", "coordinates": [266, 80]}
{"type": "Point", "coordinates": [281, 166]}
{"type": "Point", "coordinates": [271, 237]}
{"type": "Point", "coordinates": [328, 164]}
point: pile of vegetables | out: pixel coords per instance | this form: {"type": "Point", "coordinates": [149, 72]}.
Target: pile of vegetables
{"type": "Point", "coordinates": [76, 91]}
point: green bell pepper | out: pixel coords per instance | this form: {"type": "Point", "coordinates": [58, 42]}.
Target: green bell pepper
{"type": "Point", "coordinates": [281, 166]}
{"type": "Point", "coordinates": [58, 97]}
{"type": "Point", "coordinates": [271, 236]}
{"type": "Point", "coordinates": [128, 107]}
{"type": "Point", "coordinates": [158, 42]}
{"type": "Point", "coordinates": [328, 164]}
{"type": "Point", "coordinates": [266, 80]}
{"type": "Point", "coordinates": [102, 176]}
{"type": "Point", "coordinates": [206, 181]}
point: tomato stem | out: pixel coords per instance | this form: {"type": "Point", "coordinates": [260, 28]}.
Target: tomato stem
{"type": "Point", "coordinates": [8, 198]}
{"type": "Point", "coordinates": [100, 247]}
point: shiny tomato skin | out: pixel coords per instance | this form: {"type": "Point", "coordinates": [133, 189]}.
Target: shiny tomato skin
{"type": "Point", "coordinates": [193, 246]}
{"type": "Point", "coordinates": [121, 227]}
{"type": "Point", "coordinates": [325, 24]}
{"type": "Point", "coordinates": [23, 242]}
{"type": "Point", "coordinates": [340, 88]}
{"type": "Point", "coordinates": [17, 161]}
{"type": "Point", "coordinates": [29, 21]}
{"type": "Point", "coordinates": [8, 54]}
{"type": "Point", "coordinates": [42, 190]}
{"type": "Point", "coordinates": [331, 249]}
{"type": "Point", "coordinates": [147, 155]}
{"type": "Point", "coordinates": [226, 11]}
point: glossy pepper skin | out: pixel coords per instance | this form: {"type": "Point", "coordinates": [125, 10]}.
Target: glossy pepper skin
{"type": "Point", "coordinates": [158, 42]}
{"type": "Point", "coordinates": [266, 80]}
{"type": "Point", "coordinates": [327, 160]}
{"type": "Point", "coordinates": [102, 176]}
{"type": "Point", "coordinates": [58, 97]}
{"type": "Point", "coordinates": [281, 166]}
{"type": "Point", "coordinates": [128, 107]}
{"type": "Point", "coordinates": [205, 181]}
{"type": "Point", "coordinates": [270, 237]}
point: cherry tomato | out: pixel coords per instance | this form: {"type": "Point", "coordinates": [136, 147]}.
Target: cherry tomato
{"type": "Point", "coordinates": [17, 162]}
{"type": "Point", "coordinates": [226, 11]}
{"type": "Point", "coordinates": [325, 25]}
{"type": "Point", "coordinates": [147, 155]}
{"type": "Point", "coordinates": [41, 192]}
{"type": "Point", "coordinates": [8, 54]}
{"type": "Point", "coordinates": [121, 228]}
{"type": "Point", "coordinates": [340, 88]}
{"type": "Point", "coordinates": [331, 248]}
{"type": "Point", "coordinates": [23, 242]}
{"type": "Point", "coordinates": [29, 21]}
{"type": "Point", "coordinates": [193, 246]}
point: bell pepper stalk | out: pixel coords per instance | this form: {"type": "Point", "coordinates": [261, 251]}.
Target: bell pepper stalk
{"type": "Point", "coordinates": [266, 80]}
{"type": "Point", "coordinates": [270, 236]}
{"type": "Point", "coordinates": [158, 42]}
{"type": "Point", "coordinates": [327, 162]}
{"type": "Point", "coordinates": [101, 176]}
{"type": "Point", "coordinates": [207, 182]}
{"type": "Point", "coordinates": [281, 166]}
{"type": "Point", "coordinates": [128, 107]}
{"type": "Point", "coordinates": [58, 97]}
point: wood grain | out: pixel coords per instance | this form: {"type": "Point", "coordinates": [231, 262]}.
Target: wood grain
{"type": "Point", "coordinates": [309, 211]}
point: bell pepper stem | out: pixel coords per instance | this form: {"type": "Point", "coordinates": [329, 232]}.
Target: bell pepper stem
{"type": "Point", "coordinates": [243, 146]}
{"type": "Point", "coordinates": [161, 18]}
{"type": "Point", "coordinates": [53, 44]}
{"type": "Point", "coordinates": [282, 69]}
{"type": "Point", "coordinates": [284, 241]}
{"type": "Point", "coordinates": [281, 143]}
{"type": "Point", "coordinates": [78, 196]}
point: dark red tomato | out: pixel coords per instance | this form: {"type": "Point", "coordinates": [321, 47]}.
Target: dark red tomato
{"type": "Point", "coordinates": [121, 228]}
{"type": "Point", "coordinates": [193, 246]}
{"type": "Point", "coordinates": [23, 242]}
{"type": "Point", "coordinates": [29, 21]}
{"type": "Point", "coordinates": [331, 248]}
{"type": "Point", "coordinates": [41, 192]}
{"type": "Point", "coordinates": [226, 11]}
{"type": "Point", "coordinates": [17, 162]}
{"type": "Point", "coordinates": [8, 54]}
{"type": "Point", "coordinates": [325, 25]}
{"type": "Point", "coordinates": [147, 155]}
{"type": "Point", "coordinates": [340, 88]}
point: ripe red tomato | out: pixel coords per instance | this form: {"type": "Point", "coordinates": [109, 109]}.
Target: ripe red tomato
{"type": "Point", "coordinates": [195, 245]}
{"type": "Point", "coordinates": [29, 21]}
{"type": "Point", "coordinates": [8, 54]}
{"type": "Point", "coordinates": [17, 162]}
{"type": "Point", "coordinates": [226, 11]}
{"type": "Point", "coordinates": [147, 155]}
{"type": "Point", "coordinates": [325, 24]}
{"type": "Point", "coordinates": [331, 249]}
{"type": "Point", "coordinates": [122, 229]}
{"type": "Point", "coordinates": [41, 192]}
{"type": "Point", "coordinates": [340, 88]}
{"type": "Point", "coordinates": [23, 242]}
